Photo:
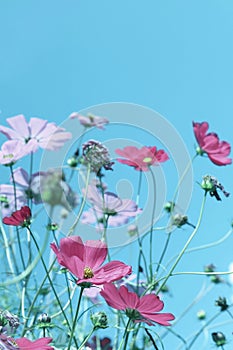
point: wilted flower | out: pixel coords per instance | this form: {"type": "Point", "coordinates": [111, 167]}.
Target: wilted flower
{"type": "Point", "coordinates": [141, 159]}
{"type": "Point", "coordinates": [55, 191]}
{"type": "Point", "coordinates": [85, 261]}
{"type": "Point", "coordinates": [139, 309]}
{"type": "Point", "coordinates": [210, 144]}
{"type": "Point", "coordinates": [211, 184]}
{"type": "Point", "coordinates": [90, 120]}
{"type": "Point", "coordinates": [37, 133]}
{"type": "Point", "coordinates": [20, 217]}
{"type": "Point", "coordinates": [222, 303]}
{"type": "Point", "coordinates": [96, 156]}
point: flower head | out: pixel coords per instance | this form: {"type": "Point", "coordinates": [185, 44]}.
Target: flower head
{"type": "Point", "coordinates": [38, 133]}
{"type": "Point", "coordinates": [85, 261]}
{"type": "Point", "coordinates": [90, 120]}
{"type": "Point", "coordinates": [139, 309]}
{"type": "Point", "coordinates": [216, 150]}
{"type": "Point", "coordinates": [20, 217]}
{"type": "Point", "coordinates": [141, 158]}
{"type": "Point", "coordinates": [211, 184]}
{"type": "Point", "coordinates": [109, 207]}
{"type": "Point", "coordinates": [97, 156]}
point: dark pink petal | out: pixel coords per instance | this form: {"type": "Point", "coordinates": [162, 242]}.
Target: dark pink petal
{"type": "Point", "coordinates": [218, 159]}
{"type": "Point", "coordinates": [131, 299]}
{"type": "Point", "coordinates": [72, 246]}
{"type": "Point", "coordinates": [200, 130]}
{"type": "Point", "coordinates": [111, 272]}
{"type": "Point", "coordinates": [161, 318]}
{"type": "Point", "coordinates": [150, 303]}
{"type": "Point", "coordinates": [39, 344]}
{"type": "Point", "coordinates": [112, 297]}
{"type": "Point", "coordinates": [95, 254]}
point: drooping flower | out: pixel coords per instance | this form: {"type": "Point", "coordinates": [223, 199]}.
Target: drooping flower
{"type": "Point", "coordinates": [141, 158]}
{"type": "Point", "coordinates": [20, 217]}
{"type": "Point", "coordinates": [85, 261]}
{"type": "Point", "coordinates": [38, 132]}
{"type": "Point", "coordinates": [14, 150]}
{"type": "Point", "coordinates": [209, 143]}
{"type": "Point", "coordinates": [39, 344]}
{"type": "Point", "coordinates": [109, 207]}
{"type": "Point", "coordinates": [90, 120]}
{"type": "Point", "coordinates": [139, 309]}
{"type": "Point", "coordinates": [54, 190]}
{"type": "Point", "coordinates": [96, 156]}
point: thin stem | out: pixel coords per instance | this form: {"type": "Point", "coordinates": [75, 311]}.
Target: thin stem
{"type": "Point", "coordinates": [185, 246]}
{"type": "Point", "coordinates": [86, 339]}
{"type": "Point", "coordinates": [164, 251]}
{"type": "Point", "coordinates": [49, 278]}
{"type": "Point", "coordinates": [71, 230]}
{"type": "Point", "coordinates": [125, 337]}
{"type": "Point", "coordinates": [75, 319]}
{"type": "Point", "coordinates": [151, 228]}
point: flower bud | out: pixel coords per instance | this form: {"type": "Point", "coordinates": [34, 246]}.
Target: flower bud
{"type": "Point", "coordinates": [169, 207]}
{"type": "Point", "coordinates": [179, 220]}
{"type": "Point", "coordinates": [201, 314]}
{"type": "Point", "coordinates": [44, 318]}
{"type": "Point", "coordinates": [72, 162]}
{"type": "Point", "coordinates": [96, 156]}
{"type": "Point", "coordinates": [99, 320]}
{"type": "Point", "coordinates": [219, 338]}
{"type": "Point", "coordinates": [132, 230]}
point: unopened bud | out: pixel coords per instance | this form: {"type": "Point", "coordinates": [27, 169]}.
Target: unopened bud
{"type": "Point", "coordinates": [201, 314]}
{"type": "Point", "coordinates": [99, 320]}
{"type": "Point", "coordinates": [219, 338]}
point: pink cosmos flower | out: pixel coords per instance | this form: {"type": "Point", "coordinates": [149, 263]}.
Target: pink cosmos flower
{"type": "Point", "coordinates": [85, 261]}
{"type": "Point", "coordinates": [139, 309]}
{"type": "Point", "coordinates": [38, 132]}
{"type": "Point", "coordinates": [216, 150]}
{"type": "Point", "coordinates": [111, 207]}
{"type": "Point", "coordinates": [90, 120]}
{"type": "Point", "coordinates": [19, 217]}
{"type": "Point", "coordinates": [141, 158]}
{"type": "Point", "coordinates": [39, 344]}
{"type": "Point", "coordinates": [14, 150]}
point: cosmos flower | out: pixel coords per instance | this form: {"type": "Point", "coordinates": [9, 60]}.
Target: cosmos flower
{"type": "Point", "coordinates": [39, 344]}
{"type": "Point", "coordinates": [85, 261]}
{"type": "Point", "coordinates": [37, 133]}
{"type": "Point", "coordinates": [139, 309]}
{"type": "Point", "coordinates": [14, 150]}
{"type": "Point", "coordinates": [90, 120]}
{"type": "Point", "coordinates": [209, 143]}
{"type": "Point", "coordinates": [110, 207]}
{"type": "Point", "coordinates": [141, 158]}
{"type": "Point", "coordinates": [19, 217]}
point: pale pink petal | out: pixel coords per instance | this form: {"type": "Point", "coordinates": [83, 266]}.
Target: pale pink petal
{"type": "Point", "coordinates": [19, 124]}
{"type": "Point", "coordinates": [21, 177]}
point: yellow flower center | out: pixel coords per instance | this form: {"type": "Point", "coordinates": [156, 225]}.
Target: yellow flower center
{"type": "Point", "coordinates": [8, 156]}
{"type": "Point", "coordinates": [88, 273]}
{"type": "Point", "coordinates": [147, 160]}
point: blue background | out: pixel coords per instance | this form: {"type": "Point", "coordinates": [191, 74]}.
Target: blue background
{"type": "Point", "coordinates": [172, 56]}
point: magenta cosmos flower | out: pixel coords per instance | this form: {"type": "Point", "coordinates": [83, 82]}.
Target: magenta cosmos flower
{"type": "Point", "coordinates": [216, 150]}
{"type": "Point", "coordinates": [90, 120]}
{"type": "Point", "coordinates": [39, 344]}
{"type": "Point", "coordinates": [141, 158]}
{"type": "Point", "coordinates": [20, 217]}
{"type": "Point", "coordinates": [139, 309]}
{"type": "Point", "coordinates": [85, 261]}
{"type": "Point", "coordinates": [14, 150]}
{"type": "Point", "coordinates": [38, 132]}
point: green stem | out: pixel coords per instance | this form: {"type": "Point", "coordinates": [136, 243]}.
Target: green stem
{"type": "Point", "coordinates": [151, 228]}
{"type": "Point", "coordinates": [75, 319]}
{"type": "Point", "coordinates": [164, 251]}
{"type": "Point", "coordinates": [71, 230]}
{"type": "Point", "coordinates": [86, 339]}
{"type": "Point", "coordinates": [185, 246]}
{"type": "Point", "coordinates": [125, 336]}
{"type": "Point", "coordinates": [49, 278]}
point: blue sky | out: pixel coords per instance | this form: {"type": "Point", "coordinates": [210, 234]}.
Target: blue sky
{"type": "Point", "coordinates": [172, 56]}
